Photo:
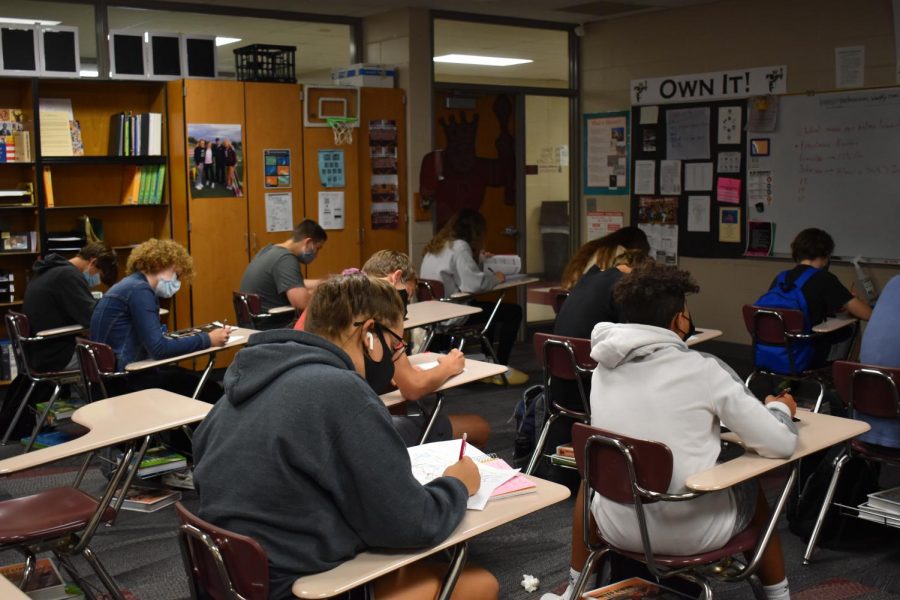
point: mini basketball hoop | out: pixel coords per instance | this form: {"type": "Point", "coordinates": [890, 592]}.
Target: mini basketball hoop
{"type": "Point", "coordinates": [342, 128]}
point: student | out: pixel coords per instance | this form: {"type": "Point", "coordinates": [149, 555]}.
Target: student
{"type": "Point", "coordinates": [229, 159]}
{"type": "Point", "coordinates": [331, 476]}
{"type": "Point", "coordinates": [127, 318]}
{"type": "Point", "coordinates": [59, 294]}
{"type": "Point", "coordinates": [209, 167]}
{"type": "Point", "coordinates": [649, 385]}
{"type": "Point", "coordinates": [274, 273]}
{"type": "Point", "coordinates": [452, 257]}
{"type": "Point", "coordinates": [199, 154]}
{"type": "Point", "coordinates": [602, 252]}
{"type": "Point", "coordinates": [881, 347]}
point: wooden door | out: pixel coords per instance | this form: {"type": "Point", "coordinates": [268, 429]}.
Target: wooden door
{"type": "Point", "coordinates": [274, 117]}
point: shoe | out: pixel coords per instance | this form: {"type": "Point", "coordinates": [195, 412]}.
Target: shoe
{"type": "Point", "coordinates": [213, 186]}
{"type": "Point", "coordinates": [183, 480]}
{"type": "Point", "coordinates": [566, 595]}
{"type": "Point", "coordinates": [198, 187]}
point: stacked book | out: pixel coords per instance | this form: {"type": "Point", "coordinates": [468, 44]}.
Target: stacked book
{"type": "Point", "coordinates": [159, 460]}
{"type": "Point", "coordinates": [7, 286]}
{"type": "Point", "coordinates": [8, 368]}
{"type": "Point", "coordinates": [46, 583]}
{"type": "Point", "coordinates": [143, 185]}
{"type": "Point", "coordinates": [48, 438]}
{"type": "Point", "coordinates": [144, 499]}
{"type": "Point", "coordinates": [882, 507]}
{"type": "Point", "coordinates": [62, 410]}
{"type": "Point", "coordinates": [133, 134]}
{"type": "Point", "coordinates": [65, 241]}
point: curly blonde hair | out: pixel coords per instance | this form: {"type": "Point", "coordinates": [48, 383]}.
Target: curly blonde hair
{"type": "Point", "coordinates": [156, 255]}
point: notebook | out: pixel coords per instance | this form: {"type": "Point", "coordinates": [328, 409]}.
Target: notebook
{"type": "Point", "coordinates": [514, 487]}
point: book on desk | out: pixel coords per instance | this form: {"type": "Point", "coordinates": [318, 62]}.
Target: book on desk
{"type": "Point", "coordinates": [634, 588]}
{"type": "Point", "coordinates": [144, 499]}
{"type": "Point", "coordinates": [159, 460]}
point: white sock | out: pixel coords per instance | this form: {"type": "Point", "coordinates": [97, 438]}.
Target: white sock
{"type": "Point", "coordinates": [778, 591]}
{"type": "Point", "coordinates": [566, 595]}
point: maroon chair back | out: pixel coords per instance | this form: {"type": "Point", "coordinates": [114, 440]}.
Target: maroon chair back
{"type": "Point", "coordinates": [220, 562]}
{"type": "Point", "coordinates": [242, 308]}
{"type": "Point", "coordinates": [867, 389]}
{"type": "Point", "coordinates": [96, 359]}
{"type": "Point", "coordinates": [19, 327]}
{"type": "Point", "coordinates": [557, 360]}
{"type": "Point", "coordinates": [429, 289]}
{"type": "Point", "coordinates": [559, 296]}
{"type": "Point", "coordinates": [610, 473]}
{"type": "Point", "coordinates": [769, 325]}
{"type": "Point", "coordinates": [23, 325]}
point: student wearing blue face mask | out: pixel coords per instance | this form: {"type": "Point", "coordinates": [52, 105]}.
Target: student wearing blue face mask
{"type": "Point", "coordinates": [127, 318]}
{"type": "Point", "coordinates": [59, 294]}
{"type": "Point", "coordinates": [274, 273]}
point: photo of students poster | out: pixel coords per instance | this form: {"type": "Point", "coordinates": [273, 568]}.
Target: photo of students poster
{"type": "Point", "coordinates": [216, 159]}
{"type": "Point", "coordinates": [658, 209]}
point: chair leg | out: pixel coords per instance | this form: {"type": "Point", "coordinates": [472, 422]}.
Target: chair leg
{"type": "Point", "coordinates": [18, 414]}
{"type": "Point", "coordinates": [707, 593]}
{"type": "Point", "coordinates": [820, 396]}
{"type": "Point", "coordinates": [826, 504]}
{"type": "Point", "coordinates": [28, 572]}
{"type": "Point", "coordinates": [102, 574]}
{"type": "Point", "coordinates": [460, 555]}
{"type": "Point", "coordinates": [42, 417]}
{"type": "Point", "coordinates": [757, 587]}
{"type": "Point", "coordinates": [586, 572]}
{"type": "Point", "coordinates": [539, 448]}
{"type": "Point", "coordinates": [486, 343]}
{"type": "Point", "coordinates": [66, 562]}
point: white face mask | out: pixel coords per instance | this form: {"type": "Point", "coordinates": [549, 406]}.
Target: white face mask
{"type": "Point", "coordinates": [166, 288]}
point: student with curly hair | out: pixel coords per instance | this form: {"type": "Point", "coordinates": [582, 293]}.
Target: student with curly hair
{"type": "Point", "coordinates": [649, 385]}
{"type": "Point", "coordinates": [127, 317]}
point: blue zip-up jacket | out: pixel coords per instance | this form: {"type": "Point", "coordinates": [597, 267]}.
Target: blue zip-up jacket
{"type": "Point", "coordinates": [127, 320]}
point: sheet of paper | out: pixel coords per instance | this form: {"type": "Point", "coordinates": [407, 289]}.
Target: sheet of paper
{"type": "Point", "coordinates": [698, 177]}
{"type": "Point", "coordinates": [430, 460]}
{"type": "Point", "coordinates": [849, 66]}
{"type": "Point", "coordinates": [63, 105]}
{"type": "Point", "coordinates": [729, 162]}
{"type": "Point", "coordinates": [670, 177]}
{"type": "Point", "coordinates": [56, 138]}
{"type": "Point", "coordinates": [644, 177]}
{"type": "Point", "coordinates": [663, 241]}
{"type": "Point", "coordinates": [759, 188]}
{"type": "Point", "coordinates": [279, 212]}
{"type": "Point", "coordinates": [698, 213]}
{"type": "Point", "coordinates": [729, 224]}
{"type": "Point", "coordinates": [728, 190]}
{"type": "Point", "coordinates": [425, 366]}
{"type": "Point", "coordinates": [607, 151]}
{"type": "Point", "coordinates": [729, 125]}
{"type": "Point", "coordinates": [687, 133]}
{"type": "Point", "coordinates": [602, 223]}
{"type": "Point", "coordinates": [763, 114]}
{"type": "Point", "coordinates": [331, 210]}
{"type": "Point", "coordinates": [508, 264]}
{"type": "Point", "coordinates": [649, 115]}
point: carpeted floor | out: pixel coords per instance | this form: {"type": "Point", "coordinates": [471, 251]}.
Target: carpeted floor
{"type": "Point", "coordinates": [141, 550]}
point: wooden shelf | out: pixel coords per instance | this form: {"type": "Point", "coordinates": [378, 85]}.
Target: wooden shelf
{"type": "Point", "coordinates": [126, 247]}
{"type": "Point", "coordinates": [8, 304]}
{"type": "Point", "coordinates": [104, 206]}
{"type": "Point", "coordinates": [27, 163]}
{"type": "Point", "coordinates": [4, 382]}
{"type": "Point", "coordinates": [18, 207]}
{"type": "Point", "coordinates": [18, 253]}
{"type": "Point", "coordinates": [104, 160]}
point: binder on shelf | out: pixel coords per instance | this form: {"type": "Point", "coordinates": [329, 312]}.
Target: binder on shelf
{"type": "Point", "coordinates": [48, 188]}
{"type": "Point", "coordinates": [131, 181]}
{"type": "Point", "coordinates": [133, 134]}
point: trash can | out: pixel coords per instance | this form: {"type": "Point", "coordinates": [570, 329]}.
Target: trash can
{"type": "Point", "coordinates": [554, 227]}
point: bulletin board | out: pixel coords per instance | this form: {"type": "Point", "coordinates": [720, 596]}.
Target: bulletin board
{"type": "Point", "coordinates": [605, 153]}
{"type": "Point", "coordinates": [688, 168]}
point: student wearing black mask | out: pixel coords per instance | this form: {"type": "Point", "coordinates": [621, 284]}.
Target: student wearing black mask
{"type": "Point", "coordinates": [331, 476]}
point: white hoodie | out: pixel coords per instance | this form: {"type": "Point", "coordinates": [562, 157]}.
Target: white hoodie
{"type": "Point", "coordinates": [649, 385]}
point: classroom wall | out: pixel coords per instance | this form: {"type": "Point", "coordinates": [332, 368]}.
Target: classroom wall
{"type": "Point", "coordinates": [729, 34]}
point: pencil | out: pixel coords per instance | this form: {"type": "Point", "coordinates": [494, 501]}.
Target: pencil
{"type": "Point", "coordinates": [462, 447]}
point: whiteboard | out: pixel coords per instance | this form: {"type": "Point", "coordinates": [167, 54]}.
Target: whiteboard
{"type": "Point", "coordinates": [834, 163]}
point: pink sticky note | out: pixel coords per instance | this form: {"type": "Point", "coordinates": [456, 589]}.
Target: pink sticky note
{"type": "Point", "coordinates": [728, 189]}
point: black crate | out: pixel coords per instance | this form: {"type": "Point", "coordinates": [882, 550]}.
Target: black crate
{"type": "Point", "coordinates": [264, 62]}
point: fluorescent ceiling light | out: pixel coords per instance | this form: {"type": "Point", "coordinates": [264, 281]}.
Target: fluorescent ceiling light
{"type": "Point", "coordinates": [489, 61]}
{"type": "Point", "coordinates": [43, 22]}
{"type": "Point", "coordinates": [224, 41]}
{"type": "Point", "coordinates": [89, 72]}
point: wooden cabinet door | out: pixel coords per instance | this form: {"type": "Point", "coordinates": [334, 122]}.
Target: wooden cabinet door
{"type": "Point", "coordinates": [274, 117]}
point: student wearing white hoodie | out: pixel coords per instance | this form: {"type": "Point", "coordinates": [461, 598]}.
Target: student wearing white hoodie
{"type": "Point", "coordinates": [649, 385]}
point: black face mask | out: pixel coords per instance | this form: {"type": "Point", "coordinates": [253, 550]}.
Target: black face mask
{"type": "Point", "coordinates": [379, 373]}
{"type": "Point", "coordinates": [404, 295]}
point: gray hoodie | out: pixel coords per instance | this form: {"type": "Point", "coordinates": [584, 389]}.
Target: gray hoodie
{"type": "Point", "coordinates": [649, 385]}
{"type": "Point", "coordinates": [301, 455]}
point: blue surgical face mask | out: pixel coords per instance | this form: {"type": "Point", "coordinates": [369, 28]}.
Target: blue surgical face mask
{"type": "Point", "coordinates": [92, 280]}
{"type": "Point", "coordinates": [166, 288]}
{"type": "Point", "coordinates": [307, 257]}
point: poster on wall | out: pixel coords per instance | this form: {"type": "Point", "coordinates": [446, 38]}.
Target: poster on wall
{"type": "Point", "coordinates": [331, 168]}
{"type": "Point", "coordinates": [217, 160]}
{"type": "Point", "coordinates": [602, 223]}
{"type": "Point", "coordinates": [277, 165]}
{"type": "Point", "coordinates": [606, 142]}
{"type": "Point", "coordinates": [279, 212]}
{"type": "Point", "coordinates": [331, 210]}
{"type": "Point", "coordinates": [385, 183]}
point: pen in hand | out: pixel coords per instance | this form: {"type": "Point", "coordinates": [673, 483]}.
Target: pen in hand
{"type": "Point", "coordinates": [462, 446]}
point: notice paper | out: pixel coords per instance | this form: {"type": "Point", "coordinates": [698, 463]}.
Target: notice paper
{"type": "Point", "coordinates": [670, 177]}
{"type": "Point", "coordinates": [728, 190]}
{"type": "Point", "coordinates": [698, 213]}
{"type": "Point", "coordinates": [607, 149]}
{"type": "Point", "coordinates": [331, 210]}
{"type": "Point", "coordinates": [687, 133]}
{"type": "Point", "coordinates": [56, 138]}
{"type": "Point", "coordinates": [729, 125]}
{"type": "Point", "coordinates": [508, 264]}
{"type": "Point", "coordinates": [729, 224]}
{"type": "Point", "coordinates": [644, 177]}
{"type": "Point", "coordinates": [649, 115]}
{"type": "Point", "coordinates": [729, 162]}
{"type": "Point", "coordinates": [849, 66]}
{"type": "Point", "coordinates": [698, 177]}
{"type": "Point", "coordinates": [279, 212]}
{"type": "Point", "coordinates": [663, 241]}
{"type": "Point", "coordinates": [600, 223]}
{"type": "Point", "coordinates": [759, 188]}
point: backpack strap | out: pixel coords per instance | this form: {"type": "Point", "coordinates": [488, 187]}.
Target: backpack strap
{"type": "Point", "coordinates": [797, 285]}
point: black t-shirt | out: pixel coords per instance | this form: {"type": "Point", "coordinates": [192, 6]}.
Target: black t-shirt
{"type": "Point", "coordinates": [590, 302]}
{"type": "Point", "coordinates": [824, 293]}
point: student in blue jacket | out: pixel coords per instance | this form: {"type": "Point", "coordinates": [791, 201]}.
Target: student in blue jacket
{"type": "Point", "coordinates": [301, 455]}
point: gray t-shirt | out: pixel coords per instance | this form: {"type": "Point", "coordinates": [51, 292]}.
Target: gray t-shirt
{"type": "Point", "coordinates": [271, 273]}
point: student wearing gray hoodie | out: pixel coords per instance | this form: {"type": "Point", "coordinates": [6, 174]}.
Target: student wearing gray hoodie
{"type": "Point", "coordinates": [301, 455]}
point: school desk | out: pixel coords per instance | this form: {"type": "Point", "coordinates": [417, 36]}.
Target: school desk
{"type": "Point", "coordinates": [238, 337]}
{"type": "Point", "coordinates": [429, 313]}
{"type": "Point", "coordinates": [281, 310]}
{"type": "Point", "coordinates": [703, 335]}
{"type": "Point", "coordinates": [473, 371]}
{"type": "Point", "coordinates": [371, 565]}
{"type": "Point", "coordinates": [60, 331]}
{"type": "Point", "coordinates": [11, 592]}
{"type": "Point", "coordinates": [834, 323]}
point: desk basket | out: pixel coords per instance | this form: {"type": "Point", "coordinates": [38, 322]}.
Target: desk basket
{"type": "Point", "coordinates": [264, 62]}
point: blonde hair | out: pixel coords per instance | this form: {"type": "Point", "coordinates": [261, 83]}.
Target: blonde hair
{"type": "Point", "coordinates": [385, 262]}
{"type": "Point", "coordinates": [602, 252]}
{"type": "Point", "coordinates": [341, 301]}
{"type": "Point", "coordinates": [156, 255]}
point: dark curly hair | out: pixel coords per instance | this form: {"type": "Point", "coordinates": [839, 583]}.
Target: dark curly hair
{"type": "Point", "coordinates": [653, 294]}
{"type": "Point", "coordinates": [811, 244]}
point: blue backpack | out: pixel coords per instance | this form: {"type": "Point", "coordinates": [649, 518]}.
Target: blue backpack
{"type": "Point", "coordinates": [790, 296]}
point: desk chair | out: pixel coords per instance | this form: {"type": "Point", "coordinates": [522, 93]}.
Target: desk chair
{"type": "Point", "coordinates": [781, 327]}
{"type": "Point", "coordinates": [432, 289]}
{"type": "Point", "coordinates": [97, 363]}
{"type": "Point", "coordinates": [248, 310]}
{"type": "Point", "coordinates": [221, 564]}
{"type": "Point", "coordinates": [870, 391]}
{"type": "Point", "coordinates": [19, 330]}
{"type": "Point", "coordinates": [563, 359]}
{"type": "Point", "coordinates": [559, 297]}
{"type": "Point", "coordinates": [638, 472]}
